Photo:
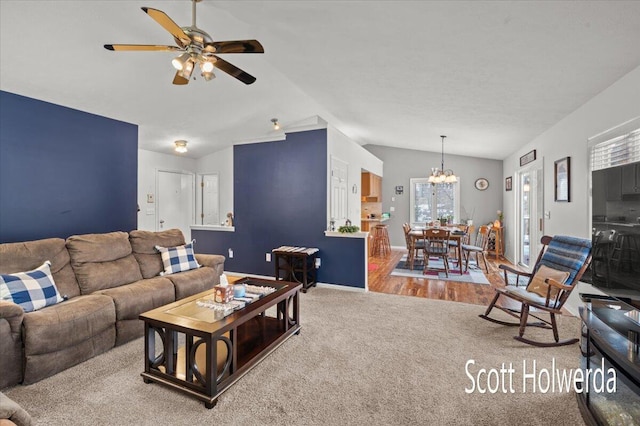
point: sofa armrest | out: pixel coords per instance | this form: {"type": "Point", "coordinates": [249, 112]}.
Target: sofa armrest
{"type": "Point", "coordinates": [13, 314]}
{"type": "Point", "coordinates": [10, 410]}
{"type": "Point", "coordinates": [214, 261]}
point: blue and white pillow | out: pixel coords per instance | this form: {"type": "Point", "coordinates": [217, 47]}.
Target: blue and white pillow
{"type": "Point", "coordinates": [32, 290]}
{"type": "Point", "coordinates": [178, 259]}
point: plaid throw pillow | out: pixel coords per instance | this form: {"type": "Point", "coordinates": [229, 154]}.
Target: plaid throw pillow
{"type": "Point", "coordinates": [178, 259]}
{"type": "Point", "coordinates": [32, 290]}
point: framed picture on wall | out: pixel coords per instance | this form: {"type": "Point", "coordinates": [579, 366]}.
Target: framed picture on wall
{"type": "Point", "coordinates": [508, 184]}
{"type": "Point", "coordinates": [562, 179]}
{"type": "Point", "coordinates": [528, 157]}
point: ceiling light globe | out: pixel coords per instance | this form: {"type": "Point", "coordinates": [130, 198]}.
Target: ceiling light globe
{"type": "Point", "coordinates": [176, 64]}
{"type": "Point", "coordinates": [179, 61]}
{"type": "Point", "coordinates": [207, 66]}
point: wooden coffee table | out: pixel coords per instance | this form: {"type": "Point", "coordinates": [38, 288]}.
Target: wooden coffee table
{"type": "Point", "coordinates": [202, 355]}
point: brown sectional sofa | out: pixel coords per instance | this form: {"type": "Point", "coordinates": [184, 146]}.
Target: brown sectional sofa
{"type": "Point", "coordinates": [108, 279]}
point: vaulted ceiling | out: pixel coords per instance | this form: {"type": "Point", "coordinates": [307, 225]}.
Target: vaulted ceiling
{"type": "Point", "coordinates": [490, 75]}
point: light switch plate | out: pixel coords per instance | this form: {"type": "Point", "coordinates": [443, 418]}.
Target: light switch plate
{"type": "Point", "coordinates": [547, 214]}
{"type": "Point", "coordinates": [150, 198]}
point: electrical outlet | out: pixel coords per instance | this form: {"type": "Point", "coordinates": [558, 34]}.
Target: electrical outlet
{"type": "Point", "coordinates": [392, 209]}
{"type": "Point", "coordinates": [268, 257]}
{"type": "Point", "coordinates": [318, 262]}
{"type": "Point", "coordinates": [230, 253]}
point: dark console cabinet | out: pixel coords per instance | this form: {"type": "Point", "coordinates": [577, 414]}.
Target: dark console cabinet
{"type": "Point", "coordinates": [610, 342]}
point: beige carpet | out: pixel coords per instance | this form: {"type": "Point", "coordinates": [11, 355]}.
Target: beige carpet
{"type": "Point", "coordinates": [361, 359]}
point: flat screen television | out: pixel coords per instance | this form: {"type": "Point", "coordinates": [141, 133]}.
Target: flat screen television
{"type": "Point", "coordinates": [615, 207]}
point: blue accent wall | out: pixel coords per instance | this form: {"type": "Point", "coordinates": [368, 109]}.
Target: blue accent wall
{"type": "Point", "coordinates": [64, 171]}
{"type": "Point", "coordinates": [280, 198]}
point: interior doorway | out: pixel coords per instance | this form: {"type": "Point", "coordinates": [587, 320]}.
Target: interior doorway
{"type": "Point", "coordinates": [175, 201]}
{"type": "Point", "coordinates": [530, 198]}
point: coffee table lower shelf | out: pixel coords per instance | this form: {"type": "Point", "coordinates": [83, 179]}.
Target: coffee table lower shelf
{"type": "Point", "coordinates": [189, 350]}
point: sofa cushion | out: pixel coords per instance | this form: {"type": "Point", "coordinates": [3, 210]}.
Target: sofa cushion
{"type": "Point", "coordinates": [143, 244]}
{"type": "Point", "coordinates": [102, 261]}
{"type": "Point", "coordinates": [133, 299]}
{"type": "Point", "coordinates": [67, 324]}
{"type": "Point", "coordinates": [178, 259]}
{"type": "Point", "coordinates": [24, 256]}
{"type": "Point", "coordinates": [32, 290]}
{"type": "Point", "coordinates": [195, 281]}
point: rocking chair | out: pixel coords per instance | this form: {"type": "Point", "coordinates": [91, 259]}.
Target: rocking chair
{"type": "Point", "coordinates": [557, 270]}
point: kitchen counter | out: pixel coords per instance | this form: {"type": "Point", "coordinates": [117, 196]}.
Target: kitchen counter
{"type": "Point", "coordinates": [375, 219]}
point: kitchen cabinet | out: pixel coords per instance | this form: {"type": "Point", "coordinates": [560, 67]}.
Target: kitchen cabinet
{"type": "Point", "coordinates": [614, 184]}
{"type": "Point", "coordinates": [631, 179]}
{"type": "Point", "coordinates": [371, 185]}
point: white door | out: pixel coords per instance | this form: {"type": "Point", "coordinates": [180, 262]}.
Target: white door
{"type": "Point", "coordinates": [175, 201]}
{"type": "Point", "coordinates": [339, 196]}
{"type": "Point", "coordinates": [210, 214]}
{"type": "Point", "coordinates": [530, 215]}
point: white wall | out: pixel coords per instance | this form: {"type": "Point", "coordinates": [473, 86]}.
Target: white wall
{"type": "Point", "coordinates": [358, 158]}
{"type": "Point", "coordinates": [615, 105]}
{"type": "Point", "coordinates": [148, 164]}
{"type": "Point", "coordinates": [220, 162]}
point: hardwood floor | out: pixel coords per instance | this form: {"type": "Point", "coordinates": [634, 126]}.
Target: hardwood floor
{"type": "Point", "coordinates": [381, 281]}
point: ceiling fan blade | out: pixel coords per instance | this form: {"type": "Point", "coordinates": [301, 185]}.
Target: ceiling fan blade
{"type": "Point", "coordinates": [167, 23]}
{"type": "Point", "coordinates": [180, 80]}
{"type": "Point", "coordinates": [139, 47]}
{"type": "Point", "coordinates": [233, 71]}
{"type": "Point", "coordinates": [234, 46]}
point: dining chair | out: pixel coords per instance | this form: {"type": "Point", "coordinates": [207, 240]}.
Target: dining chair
{"type": "Point", "coordinates": [453, 244]}
{"type": "Point", "coordinates": [413, 247]}
{"type": "Point", "coordinates": [480, 248]}
{"type": "Point", "coordinates": [436, 244]}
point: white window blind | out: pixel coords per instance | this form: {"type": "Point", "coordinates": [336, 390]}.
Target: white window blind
{"type": "Point", "coordinates": [616, 151]}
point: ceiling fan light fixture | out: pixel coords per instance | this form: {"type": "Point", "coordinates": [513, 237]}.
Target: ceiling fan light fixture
{"type": "Point", "coordinates": [206, 66]}
{"type": "Point", "coordinates": [208, 76]}
{"type": "Point", "coordinates": [179, 61]}
{"type": "Point", "coordinates": [187, 69]}
{"type": "Point", "coordinates": [180, 146]}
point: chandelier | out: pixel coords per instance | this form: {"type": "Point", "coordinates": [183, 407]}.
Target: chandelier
{"type": "Point", "coordinates": [442, 175]}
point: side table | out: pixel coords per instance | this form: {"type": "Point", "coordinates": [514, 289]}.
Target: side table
{"type": "Point", "coordinates": [296, 264]}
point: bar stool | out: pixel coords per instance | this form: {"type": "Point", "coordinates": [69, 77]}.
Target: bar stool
{"type": "Point", "coordinates": [381, 244]}
{"type": "Point", "coordinates": [603, 243]}
{"type": "Point", "coordinates": [625, 251]}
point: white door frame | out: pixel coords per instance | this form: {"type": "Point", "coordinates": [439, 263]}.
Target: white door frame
{"type": "Point", "coordinates": [536, 220]}
{"type": "Point", "coordinates": [187, 235]}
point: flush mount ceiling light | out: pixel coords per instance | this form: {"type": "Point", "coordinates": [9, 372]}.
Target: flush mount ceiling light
{"type": "Point", "coordinates": [276, 125]}
{"type": "Point", "coordinates": [196, 47]}
{"type": "Point", "coordinates": [180, 146]}
{"type": "Point", "coordinates": [442, 175]}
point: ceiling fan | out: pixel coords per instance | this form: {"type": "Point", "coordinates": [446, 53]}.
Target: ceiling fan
{"type": "Point", "coordinates": [197, 47]}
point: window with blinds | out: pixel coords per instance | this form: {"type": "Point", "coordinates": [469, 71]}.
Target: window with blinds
{"type": "Point", "coordinates": [617, 151]}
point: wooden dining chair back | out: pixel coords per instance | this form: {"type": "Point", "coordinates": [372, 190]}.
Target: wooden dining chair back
{"type": "Point", "coordinates": [436, 244]}
{"type": "Point", "coordinates": [414, 245]}
{"type": "Point", "coordinates": [479, 248]}
{"type": "Point", "coordinates": [557, 270]}
{"type": "Point", "coordinates": [453, 244]}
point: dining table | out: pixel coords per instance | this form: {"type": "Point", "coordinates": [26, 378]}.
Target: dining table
{"type": "Point", "coordinates": [455, 234]}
